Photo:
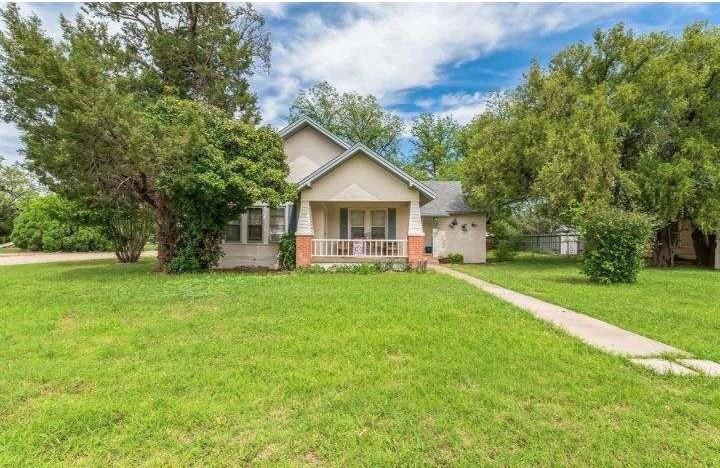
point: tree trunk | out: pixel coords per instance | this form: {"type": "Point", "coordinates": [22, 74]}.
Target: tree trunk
{"type": "Point", "coordinates": [167, 234]}
{"type": "Point", "coordinates": [665, 243]}
{"type": "Point", "coordinates": [705, 245]}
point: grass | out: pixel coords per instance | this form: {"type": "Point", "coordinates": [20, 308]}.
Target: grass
{"type": "Point", "coordinates": [679, 306]}
{"type": "Point", "coordinates": [10, 250]}
{"type": "Point", "coordinates": [112, 364]}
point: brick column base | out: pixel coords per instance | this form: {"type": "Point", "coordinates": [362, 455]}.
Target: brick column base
{"type": "Point", "coordinates": [416, 249]}
{"type": "Point", "coordinates": [303, 250]}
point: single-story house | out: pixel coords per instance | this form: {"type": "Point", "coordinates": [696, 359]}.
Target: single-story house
{"type": "Point", "coordinates": [354, 206]}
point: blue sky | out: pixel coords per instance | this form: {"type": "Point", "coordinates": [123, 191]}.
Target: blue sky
{"type": "Point", "coordinates": [443, 58]}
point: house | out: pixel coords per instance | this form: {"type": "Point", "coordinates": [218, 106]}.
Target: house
{"type": "Point", "coordinates": [354, 206]}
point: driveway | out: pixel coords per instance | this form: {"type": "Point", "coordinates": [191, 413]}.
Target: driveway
{"type": "Point", "coordinates": [25, 258]}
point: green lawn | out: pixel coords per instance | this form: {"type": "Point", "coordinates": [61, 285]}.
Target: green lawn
{"type": "Point", "coordinates": [679, 306]}
{"type": "Point", "coordinates": [112, 364]}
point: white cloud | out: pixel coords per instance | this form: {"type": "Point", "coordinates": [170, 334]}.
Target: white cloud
{"type": "Point", "coordinates": [271, 9]}
{"type": "Point", "coordinates": [388, 49]}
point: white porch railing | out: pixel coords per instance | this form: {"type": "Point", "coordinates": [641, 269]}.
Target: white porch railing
{"type": "Point", "coordinates": [376, 248]}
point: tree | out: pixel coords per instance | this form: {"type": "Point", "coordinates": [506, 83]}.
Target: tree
{"type": "Point", "coordinates": [92, 136]}
{"type": "Point", "coordinates": [200, 51]}
{"type": "Point", "coordinates": [629, 121]}
{"type": "Point", "coordinates": [357, 118]}
{"type": "Point", "coordinates": [17, 187]}
{"type": "Point", "coordinates": [437, 151]}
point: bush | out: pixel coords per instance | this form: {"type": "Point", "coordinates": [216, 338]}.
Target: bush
{"type": "Point", "coordinates": [455, 257]}
{"type": "Point", "coordinates": [615, 244]}
{"type": "Point", "coordinates": [359, 268]}
{"type": "Point", "coordinates": [286, 251]}
{"type": "Point", "coordinates": [506, 239]}
{"type": "Point", "coordinates": [52, 223]}
{"type": "Point", "coordinates": [129, 227]}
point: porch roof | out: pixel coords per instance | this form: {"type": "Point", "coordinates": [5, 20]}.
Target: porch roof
{"type": "Point", "coordinates": [373, 156]}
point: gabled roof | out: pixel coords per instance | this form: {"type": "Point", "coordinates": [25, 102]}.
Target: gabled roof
{"type": "Point", "coordinates": [379, 160]}
{"type": "Point", "coordinates": [294, 127]}
{"type": "Point", "coordinates": [449, 199]}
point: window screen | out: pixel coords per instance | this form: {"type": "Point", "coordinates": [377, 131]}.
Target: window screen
{"type": "Point", "coordinates": [277, 224]}
{"type": "Point", "coordinates": [255, 225]}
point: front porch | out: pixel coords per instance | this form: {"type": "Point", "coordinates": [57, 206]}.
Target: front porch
{"type": "Point", "coordinates": [330, 232]}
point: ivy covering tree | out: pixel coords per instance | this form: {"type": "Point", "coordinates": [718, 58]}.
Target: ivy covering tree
{"type": "Point", "coordinates": [98, 127]}
{"type": "Point", "coordinates": [628, 121]}
{"type": "Point", "coordinates": [357, 118]}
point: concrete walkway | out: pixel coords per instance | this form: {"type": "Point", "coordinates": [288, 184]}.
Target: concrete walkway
{"type": "Point", "coordinates": [25, 258]}
{"type": "Point", "coordinates": [602, 335]}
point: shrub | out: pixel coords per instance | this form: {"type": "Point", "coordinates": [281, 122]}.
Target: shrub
{"type": "Point", "coordinates": [615, 244]}
{"type": "Point", "coordinates": [455, 257]}
{"type": "Point", "coordinates": [129, 227]}
{"type": "Point", "coordinates": [359, 268]}
{"type": "Point", "coordinates": [52, 223]}
{"type": "Point", "coordinates": [286, 251]}
{"type": "Point", "coordinates": [506, 239]}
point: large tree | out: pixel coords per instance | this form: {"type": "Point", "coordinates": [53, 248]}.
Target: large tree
{"type": "Point", "coordinates": [357, 118]}
{"type": "Point", "coordinates": [437, 147]}
{"type": "Point", "coordinates": [17, 187]}
{"type": "Point", "coordinates": [95, 132]}
{"type": "Point", "coordinates": [200, 51]}
{"type": "Point", "coordinates": [630, 121]}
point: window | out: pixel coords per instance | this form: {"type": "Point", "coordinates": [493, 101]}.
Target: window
{"type": "Point", "coordinates": [233, 232]}
{"type": "Point", "coordinates": [357, 224]}
{"type": "Point", "coordinates": [377, 224]}
{"type": "Point", "coordinates": [255, 225]}
{"type": "Point", "coordinates": [277, 223]}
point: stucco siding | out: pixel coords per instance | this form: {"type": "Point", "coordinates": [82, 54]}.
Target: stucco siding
{"type": "Point", "coordinates": [360, 180]}
{"type": "Point", "coordinates": [327, 215]}
{"type": "Point", "coordinates": [249, 255]}
{"type": "Point", "coordinates": [307, 150]}
{"type": "Point", "coordinates": [470, 242]}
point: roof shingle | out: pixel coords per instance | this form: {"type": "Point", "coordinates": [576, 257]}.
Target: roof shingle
{"type": "Point", "coordinates": [449, 199]}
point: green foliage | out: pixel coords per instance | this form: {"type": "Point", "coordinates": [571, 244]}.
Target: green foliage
{"type": "Point", "coordinates": [455, 257]}
{"type": "Point", "coordinates": [198, 51]}
{"type": "Point", "coordinates": [52, 223]}
{"type": "Point", "coordinates": [215, 169]}
{"type": "Point", "coordinates": [505, 234]}
{"type": "Point", "coordinates": [17, 187]}
{"type": "Point", "coordinates": [129, 227]}
{"type": "Point", "coordinates": [286, 251]}
{"type": "Point", "coordinates": [616, 242]}
{"type": "Point", "coordinates": [630, 121]}
{"type": "Point", "coordinates": [437, 151]}
{"type": "Point", "coordinates": [357, 118]}
{"type": "Point", "coordinates": [97, 129]}
{"type": "Point", "coordinates": [359, 268]}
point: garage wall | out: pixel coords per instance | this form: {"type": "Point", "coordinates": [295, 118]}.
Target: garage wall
{"type": "Point", "coordinates": [469, 242]}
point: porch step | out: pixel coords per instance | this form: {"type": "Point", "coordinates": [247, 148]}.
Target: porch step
{"type": "Point", "coordinates": [431, 260]}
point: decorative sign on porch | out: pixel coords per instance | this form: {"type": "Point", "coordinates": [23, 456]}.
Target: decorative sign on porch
{"type": "Point", "coordinates": [358, 248]}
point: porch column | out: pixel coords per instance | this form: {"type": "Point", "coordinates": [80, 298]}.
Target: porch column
{"type": "Point", "coordinates": [416, 236]}
{"type": "Point", "coordinates": [304, 235]}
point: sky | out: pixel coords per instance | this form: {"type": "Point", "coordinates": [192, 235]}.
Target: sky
{"type": "Point", "coordinates": [441, 58]}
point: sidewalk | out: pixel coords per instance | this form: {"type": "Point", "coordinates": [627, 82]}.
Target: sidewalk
{"type": "Point", "coordinates": [601, 335]}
